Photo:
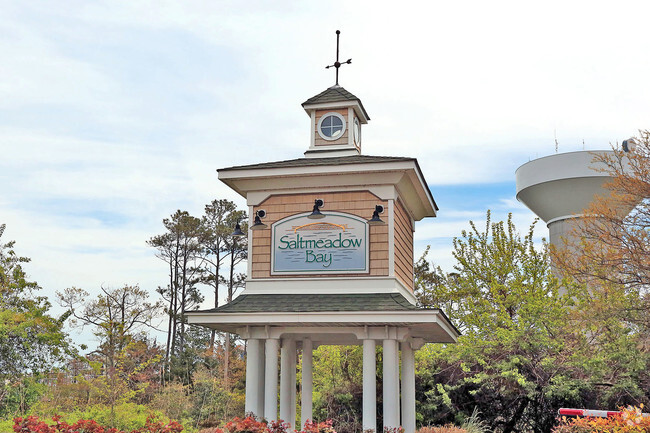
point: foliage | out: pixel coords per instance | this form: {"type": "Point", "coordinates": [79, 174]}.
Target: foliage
{"type": "Point", "coordinates": [474, 424]}
{"type": "Point", "coordinates": [20, 394]}
{"type": "Point", "coordinates": [116, 316]}
{"type": "Point", "coordinates": [199, 251]}
{"type": "Point", "coordinates": [338, 390]}
{"type": "Point", "coordinates": [180, 249]}
{"type": "Point", "coordinates": [514, 360]}
{"type": "Point", "coordinates": [211, 401]}
{"type": "Point", "coordinates": [32, 424]}
{"type": "Point", "coordinates": [448, 428]}
{"type": "Point", "coordinates": [614, 268]}
{"type": "Point", "coordinates": [251, 425]}
{"type": "Point", "coordinates": [174, 400]}
{"type": "Point", "coordinates": [318, 427]}
{"type": "Point", "coordinates": [124, 416]}
{"type": "Point", "coordinates": [217, 222]}
{"type": "Point", "coordinates": [613, 235]}
{"type": "Point", "coordinates": [630, 420]}
{"type": "Point", "coordinates": [31, 341]}
{"type": "Point", "coordinates": [125, 365]}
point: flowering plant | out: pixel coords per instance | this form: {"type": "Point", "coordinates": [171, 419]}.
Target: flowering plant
{"type": "Point", "coordinates": [248, 425]}
{"type": "Point", "coordinates": [251, 425]}
{"type": "Point", "coordinates": [32, 424]}
{"type": "Point", "coordinates": [320, 427]}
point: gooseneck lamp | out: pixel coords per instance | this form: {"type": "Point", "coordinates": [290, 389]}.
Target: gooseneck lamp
{"type": "Point", "coordinates": [257, 223]}
{"type": "Point", "coordinates": [375, 220]}
{"type": "Point", "coordinates": [238, 231]}
{"type": "Point", "coordinates": [315, 213]}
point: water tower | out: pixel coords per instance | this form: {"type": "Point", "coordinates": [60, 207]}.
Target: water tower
{"type": "Point", "coordinates": [558, 188]}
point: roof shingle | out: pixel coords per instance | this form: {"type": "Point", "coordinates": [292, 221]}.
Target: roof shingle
{"type": "Point", "coordinates": [309, 162]}
{"type": "Point", "coordinates": [335, 94]}
{"type": "Point", "coordinates": [315, 303]}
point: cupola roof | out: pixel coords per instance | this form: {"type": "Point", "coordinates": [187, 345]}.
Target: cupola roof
{"type": "Point", "coordinates": [335, 95]}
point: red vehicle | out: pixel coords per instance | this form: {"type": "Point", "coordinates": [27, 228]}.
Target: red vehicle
{"type": "Point", "coordinates": [590, 412]}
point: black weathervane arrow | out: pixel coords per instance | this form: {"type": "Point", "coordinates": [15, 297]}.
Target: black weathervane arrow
{"type": "Point", "coordinates": [338, 64]}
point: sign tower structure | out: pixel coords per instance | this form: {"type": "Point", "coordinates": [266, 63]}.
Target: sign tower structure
{"type": "Point", "coordinates": [331, 262]}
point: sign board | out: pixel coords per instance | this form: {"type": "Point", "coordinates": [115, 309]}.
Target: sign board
{"type": "Point", "coordinates": [336, 244]}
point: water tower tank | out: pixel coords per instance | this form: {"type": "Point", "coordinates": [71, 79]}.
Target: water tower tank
{"type": "Point", "coordinates": [559, 187]}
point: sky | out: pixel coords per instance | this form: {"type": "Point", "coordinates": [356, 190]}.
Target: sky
{"type": "Point", "coordinates": [114, 114]}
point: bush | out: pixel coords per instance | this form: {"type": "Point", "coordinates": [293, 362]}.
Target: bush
{"type": "Point", "coordinates": [31, 424]}
{"type": "Point", "coordinates": [251, 425]}
{"type": "Point", "coordinates": [449, 428]}
{"type": "Point", "coordinates": [630, 420]}
{"type": "Point", "coordinates": [123, 417]}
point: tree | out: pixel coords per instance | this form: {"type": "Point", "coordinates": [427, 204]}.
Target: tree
{"type": "Point", "coordinates": [514, 359]}
{"type": "Point", "coordinates": [237, 248]}
{"type": "Point", "coordinates": [180, 247]}
{"type": "Point", "coordinates": [125, 363]}
{"type": "Point", "coordinates": [116, 315]}
{"type": "Point", "coordinates": [609, 254]}
{"type": "Point", "coordinates": [31, 341]}
{"type": "Point", "coordinates": [217, 224]}
{"type": "Point", "coordinates": [338, 377]}
{"type": "Point", "coordinates": [614, 233]}
{"type": "Point", "coordinates": [199, 251]}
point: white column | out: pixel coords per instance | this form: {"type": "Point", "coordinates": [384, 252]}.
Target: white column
{"type": "Point", "coordinates": [294, 365]}
{"type": "Point", "coordinates": [408, 388]}
{"type": "Point", "coordinates": [369, 386]}
{"type": "Point", "coordinates": [391, 384]}
{"type": "Point", "coordinates": [262, 380]}
{"type": "Point", "coordinates": [307, 382]}
{"type": "Point", "coordinates": [271, 380]}
{"type": "Point", "coordinates": [253, 383]}
{"type": "Point", "coordinates": [287, 377]}
{"type": "Point", "coordinates": [397, 401]}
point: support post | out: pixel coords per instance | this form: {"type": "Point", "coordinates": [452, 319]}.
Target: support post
{"type": "Point", "coordinates": [271, 380]}
{"type": "Point", "coordinates": [287, 377]}
{"type": "Point", "coordinates": [391, 384]}
{"type": "Point", "coordinates": [408, 387]}
{"type": "Point", "coordinates": [253, 383]}
{"type": "Point", "coordinates": [369, 420]}
{"type": "Point", "coordinates": [262, 379]}
{"type": "Point", "coordinates": [294, 365]}
{"type": "Point", "coordinates": [307, 381]}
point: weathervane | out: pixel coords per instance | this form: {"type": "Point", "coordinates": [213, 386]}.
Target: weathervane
{"type": "Point", "coordinates": [338, 64]}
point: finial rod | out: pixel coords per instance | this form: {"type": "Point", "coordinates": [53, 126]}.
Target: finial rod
{"type": "Point", "coordinates": [338, 64]}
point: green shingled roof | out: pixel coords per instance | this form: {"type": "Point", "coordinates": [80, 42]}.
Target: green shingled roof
{"type": "Point", "coordinates": [310, 162]}
{"type": "Point", "coordinates": [335, 94]}
{"type": "Point", "coordinates": [331, 94]}
{"type": "Point", "coordinates": [315, 303]}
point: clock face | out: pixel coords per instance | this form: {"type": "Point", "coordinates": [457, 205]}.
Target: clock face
{"type": "Point", "coordinates": [357, 132]}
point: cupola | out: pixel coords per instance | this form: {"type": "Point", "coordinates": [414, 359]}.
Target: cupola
{"type": "Point", "coordinates": [336, 119]}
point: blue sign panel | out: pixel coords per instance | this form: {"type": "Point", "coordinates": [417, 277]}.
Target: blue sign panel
{"type": "Point", "coordinates": [337, 243]}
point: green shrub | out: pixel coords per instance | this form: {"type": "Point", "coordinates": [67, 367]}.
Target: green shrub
{"type": "Point", "coordinates": [124, 417]}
